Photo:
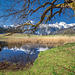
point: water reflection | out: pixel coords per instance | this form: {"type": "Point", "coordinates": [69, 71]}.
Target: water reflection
{"type": "Point", "coordinates": [20, 52]}
{"type": "Point", "coordinates": [2, 44]}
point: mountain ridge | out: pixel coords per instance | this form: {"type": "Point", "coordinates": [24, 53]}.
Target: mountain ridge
{"type": "Point", "coordinates": [49, 28]}
{"type": "Point", "coordinates": [70, 30]}
{"type": "Point", "coordinates": [46, 28]}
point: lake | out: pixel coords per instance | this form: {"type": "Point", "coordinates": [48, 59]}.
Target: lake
{"type": "Point", "coordinates": [21, 52]}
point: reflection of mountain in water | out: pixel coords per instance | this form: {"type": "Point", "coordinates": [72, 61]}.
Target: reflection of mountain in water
{"type": "Point", "coordinates": [27, 47]}
{"type": "Point", "coordinates": [21, 52]}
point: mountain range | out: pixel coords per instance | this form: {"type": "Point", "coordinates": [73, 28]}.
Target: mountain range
{"type": "Point", "coordinates": [50, 28]}
{"type": "Point", "coordinates": [70, 30]}
{"type": "Point", "coordinates": [47, 28]}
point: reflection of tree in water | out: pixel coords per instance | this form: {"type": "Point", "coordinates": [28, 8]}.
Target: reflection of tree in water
{"type": "Point", "coordinates": [3, 44]}
{"type": "Point", "coordinates": [19, 45]}
{"type": "Point", "coordinates": [27, 45]}
{"type": "Point", "coordinates": [0, 48]}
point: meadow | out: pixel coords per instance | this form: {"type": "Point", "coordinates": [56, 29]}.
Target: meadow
{"type": "Point", "coordinates": [56, 61]}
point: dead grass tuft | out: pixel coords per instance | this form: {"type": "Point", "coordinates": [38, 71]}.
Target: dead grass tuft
{"type": "Point", "coordinates": [52, 40]}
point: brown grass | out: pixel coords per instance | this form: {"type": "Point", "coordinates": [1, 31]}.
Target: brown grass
{"type": "Point", "coordinates": [5, 65]}
{"type": "Point", "coordinates": [53, 40]}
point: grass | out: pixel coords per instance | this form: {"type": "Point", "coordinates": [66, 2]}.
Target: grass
{"type": "Point", "coordinates": [55, 61]}
{"type": "Point", "coordinates": [52, 40]}
{"type": "Point", "coordinates": [16, 35]}
{"type": "Point", "coordinates": [25, 35]}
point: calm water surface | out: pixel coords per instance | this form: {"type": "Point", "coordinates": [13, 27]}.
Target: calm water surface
{"type": "Point", "coordinates": [20, 52]}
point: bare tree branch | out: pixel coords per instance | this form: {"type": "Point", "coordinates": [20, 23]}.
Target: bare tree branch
{"type": "Point", "coordinates": [26, 10]}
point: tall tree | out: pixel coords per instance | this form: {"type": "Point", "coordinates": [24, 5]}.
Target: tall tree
{"type": "Point", "coordinates": [22, 10]}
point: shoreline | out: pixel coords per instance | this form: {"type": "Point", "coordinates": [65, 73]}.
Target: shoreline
{"type": "Point", "coordinates": [58, 60]}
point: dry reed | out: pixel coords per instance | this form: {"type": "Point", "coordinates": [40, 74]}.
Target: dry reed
{"type": "Point", "coordinates": [53, 40]}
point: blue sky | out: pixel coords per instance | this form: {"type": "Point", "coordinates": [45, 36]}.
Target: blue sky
{"type": "Point", "coordinates": [62, 18]}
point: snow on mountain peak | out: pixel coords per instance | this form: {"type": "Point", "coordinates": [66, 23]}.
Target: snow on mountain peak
{"type": "Point", "coordinates": [8, 26]}
{"type": "Point", "coordinates": [5, 26]}
{"type": "Point", "coordinates": [58, 25]}
{"type": "Point", "coordinates": [62, 23]}
{"type": "Point", "coordinates": [46, 28]}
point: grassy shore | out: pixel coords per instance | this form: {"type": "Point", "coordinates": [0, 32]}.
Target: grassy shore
{"type": "Point", "coordinates": [55, 61]}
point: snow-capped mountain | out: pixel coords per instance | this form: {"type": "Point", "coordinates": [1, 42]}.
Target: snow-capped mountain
{"type": "Point", "coordinates": [70, 30]}
{"type": "Point", "coordinates": [46, 28]}
{"type": "Point", "coordinates": [58, 25]}
{"type": "Point", "coordinates": [9, 26]}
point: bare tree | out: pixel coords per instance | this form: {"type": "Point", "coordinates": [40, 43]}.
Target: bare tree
{"type": "Point", "coordinates": [21, 11]}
